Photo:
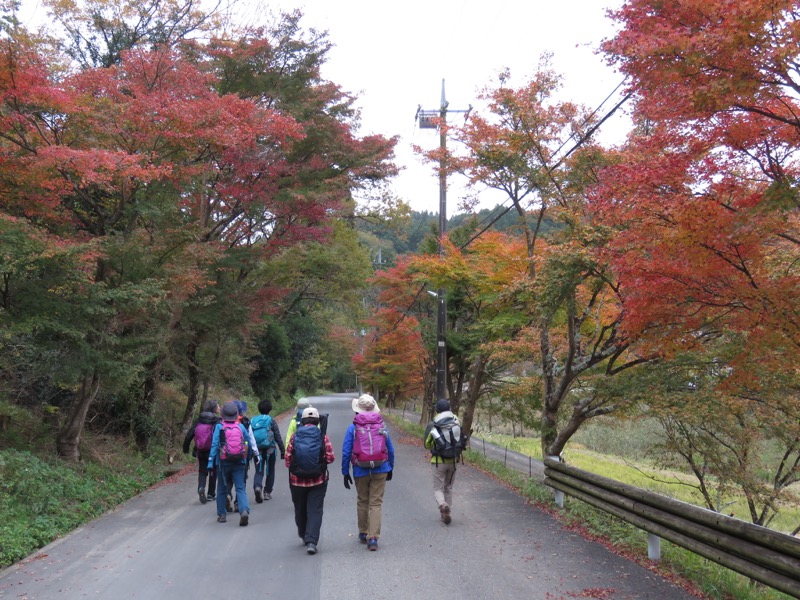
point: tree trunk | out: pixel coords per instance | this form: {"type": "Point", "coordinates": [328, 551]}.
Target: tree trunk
{"type": "Point", "coordinates": [145, 410]}
{"type": "Point", "coordinates": [69, 437]}
{"type": "Point", "coordinates": [551, 400]}
{"type": "Point", "coordinates": [475, 391]}
{"type": "Point", "coordinates": [193, 396]}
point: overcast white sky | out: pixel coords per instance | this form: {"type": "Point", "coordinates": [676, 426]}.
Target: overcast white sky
{"type": "Point", "coordinates": [394, 55]}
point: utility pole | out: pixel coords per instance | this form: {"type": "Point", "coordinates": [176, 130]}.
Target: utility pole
{"type": "Point", "coordinates": [427, 120]}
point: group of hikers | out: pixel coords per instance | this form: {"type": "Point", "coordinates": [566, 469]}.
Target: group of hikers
{"type": "Point", "coordinates": [226, 441]}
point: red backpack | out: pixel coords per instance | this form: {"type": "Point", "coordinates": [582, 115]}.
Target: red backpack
{"type": "Point", "coordinates": [232, 443]}
{"type": "Point", "coordinates": [369, 442]}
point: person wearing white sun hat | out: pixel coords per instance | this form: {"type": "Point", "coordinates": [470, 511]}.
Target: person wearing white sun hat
{"type": "Point", "coordinates": [368, 447]}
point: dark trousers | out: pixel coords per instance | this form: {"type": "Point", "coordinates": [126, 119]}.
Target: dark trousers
{"type": "Point", "coordinates": [202, 473]}
{"type": "Point", "coordinates": [264, 470]}
{"type": "Point", "coordinates": [271, 473]}
{"type": "Point", "coordinates": [308, 503]}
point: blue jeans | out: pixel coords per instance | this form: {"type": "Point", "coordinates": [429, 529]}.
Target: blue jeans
{"type": "Point", "coordinates": [235, 473]}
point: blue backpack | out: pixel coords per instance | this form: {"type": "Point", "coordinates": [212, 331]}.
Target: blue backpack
{"type": "Point", "coordinates": [308, 452]}
{"type": "Point", "coordinates": [262, 431]}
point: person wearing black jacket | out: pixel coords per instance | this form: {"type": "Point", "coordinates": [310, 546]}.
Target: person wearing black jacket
{"type": "Point", "coordinates": [201, 432]}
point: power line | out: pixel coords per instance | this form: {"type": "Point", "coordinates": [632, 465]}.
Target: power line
{"type": "Point", "coordinates": [577, 145]}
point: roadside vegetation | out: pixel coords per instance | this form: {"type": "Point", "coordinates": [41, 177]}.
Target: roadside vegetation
{"type": "Point", "coordinates": [43, 497]}
{"type": "Point", "coordinates": [685, 568]}
{"type": "Point", "coordinates": [623, 453]}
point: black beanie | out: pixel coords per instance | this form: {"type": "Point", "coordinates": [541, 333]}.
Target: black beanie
{"type": "Point", "coordinates": [442, 405]}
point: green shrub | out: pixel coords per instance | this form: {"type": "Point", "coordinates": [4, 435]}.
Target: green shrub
{"type": "Point", "coordinates": [41, 501]}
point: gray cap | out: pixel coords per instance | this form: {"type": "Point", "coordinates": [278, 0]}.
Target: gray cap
{"type": "Point", "coordinates": [230, 412]}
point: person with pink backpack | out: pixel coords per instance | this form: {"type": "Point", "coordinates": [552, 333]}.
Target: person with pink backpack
{"type": "Point", "coordinates": [230, 453]}
{"type": "Point", "coordinates": [368, 448]}
{"type": "Point", "coordinates": [202, 432]}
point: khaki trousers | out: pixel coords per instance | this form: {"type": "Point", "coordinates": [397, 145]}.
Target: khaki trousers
{"type": "Point", "coordinates": [370, 490]}
{"type": "Point", "coordinates": [443, 476]}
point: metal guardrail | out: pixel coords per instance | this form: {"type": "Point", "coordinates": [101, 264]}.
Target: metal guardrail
{"type": "Point", "coordinates": [767, 556]}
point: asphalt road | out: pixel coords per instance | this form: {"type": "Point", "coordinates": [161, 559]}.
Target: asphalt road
{"type": "Point", "coordinates": [165, 544]}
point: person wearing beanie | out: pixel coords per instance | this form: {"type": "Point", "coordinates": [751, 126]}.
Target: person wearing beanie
{"type": "Point", "coordinates": [371, 472]}
{"type": "Point", "coordinates": [445, 452]}
{"type": "Point", "coordinates": [229, 468]}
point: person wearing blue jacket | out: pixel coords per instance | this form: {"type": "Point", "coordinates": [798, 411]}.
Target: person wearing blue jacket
{"type": "Point", "coordinates": [370, 477]}
{"type": "Point", "coordinates": [232, 471]}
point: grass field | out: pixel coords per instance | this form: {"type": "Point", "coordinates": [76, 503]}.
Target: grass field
{"type": "Point", "coordinates": [618, 453]}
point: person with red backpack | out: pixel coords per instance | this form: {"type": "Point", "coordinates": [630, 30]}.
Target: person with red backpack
{"type": "Point", "coordinates": [368, 447]}
{"type": "Point", "coordinates": [230, 453]}
{"type": "Point", "coordinates": [202, 432]}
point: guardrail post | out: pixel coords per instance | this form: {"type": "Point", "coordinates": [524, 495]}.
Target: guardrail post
{"type": "Point", "coordinates": [559, 495]}
{"type": "Point", "coordinates": [653, 547]}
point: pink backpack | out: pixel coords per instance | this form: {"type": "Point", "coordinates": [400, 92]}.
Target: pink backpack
{"type": "Point", "coordinates": [369, 443]}
{"type": "Point", "coordinates": [203, 434]}
{"type": "Point", "coordinates": [232, 443]}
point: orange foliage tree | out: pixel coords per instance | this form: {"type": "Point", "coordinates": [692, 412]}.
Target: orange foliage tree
{"type": "Point", "coordinates": [570, 297]}
{"type": "Point", "coordinates": [394, 358]}
{"type": "Point", "coordinates": [704, 201]}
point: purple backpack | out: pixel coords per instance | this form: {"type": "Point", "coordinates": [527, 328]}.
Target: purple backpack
{"type": "Point", "coordinates": [369, 442]}
{"type": "Point", "coordinates": [203, 434]}
{"type": "Point", "coordinates": [232, 444]}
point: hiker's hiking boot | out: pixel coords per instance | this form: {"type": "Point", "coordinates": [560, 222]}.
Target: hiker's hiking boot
{"type": "Point", "coordinates": [228, 504]}
{"type": "Point", "coordinates": [311, 548]}
{"type": "Point", "coordinates": [201, 492]}
{"type": "Point", "coordinates": [244, 519]}
{"type": "Point", "coordinates": [362, 537]}
{"type": "Point", "coordinates": [372, 544]}
{"type": "Point", "coordinates": [259, 496]}
{"type": "Point", "coordinates": [221, 519]}
{"type": "Point", "coordinates": [267, 496]}
{"type": "Point", "coordinates": [444, 510]}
